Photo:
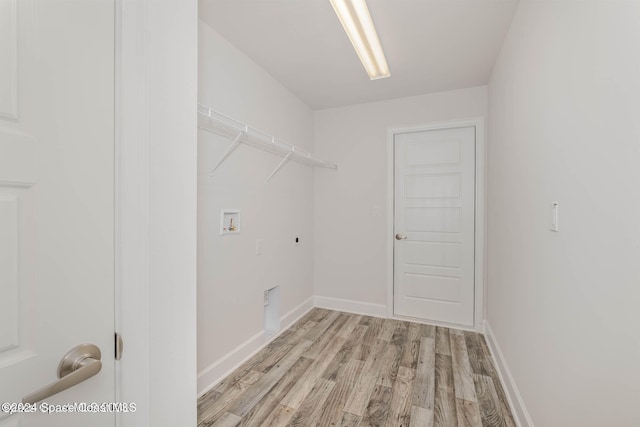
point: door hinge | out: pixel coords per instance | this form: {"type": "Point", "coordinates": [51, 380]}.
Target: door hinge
{"type": "Point", "coordinates": [119, 346]}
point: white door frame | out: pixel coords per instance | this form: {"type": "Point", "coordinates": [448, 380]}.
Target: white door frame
{"type": "Point", "coordinates": [132, 208]}
{"type": "Point", "coordinates": [480, 225]}
{"type": "Point", "coordinates": [156, 159]}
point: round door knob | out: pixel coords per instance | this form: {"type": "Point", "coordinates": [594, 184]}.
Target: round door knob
{"type": "Point", "coordinates": [400, 236]}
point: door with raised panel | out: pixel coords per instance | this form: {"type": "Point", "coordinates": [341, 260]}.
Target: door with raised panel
{"type": "Point", "coordinates": [56, 207]}
{"type": "Point", "coordinates": [434, 225]}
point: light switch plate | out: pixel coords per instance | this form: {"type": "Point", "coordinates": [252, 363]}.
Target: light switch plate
{"type": "Point", "coordinates": [554, 216]}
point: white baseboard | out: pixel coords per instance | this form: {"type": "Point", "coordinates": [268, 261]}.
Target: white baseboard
{"type": "Point", "coordinates": [519, 410]}
{"type": "Point", "coordinates": [221, 368]}
{"type": "Point", "coordinates": [349, 306]}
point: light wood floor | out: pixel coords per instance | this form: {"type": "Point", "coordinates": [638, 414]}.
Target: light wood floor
{"type": "Point", "coordinates": [339, 369]}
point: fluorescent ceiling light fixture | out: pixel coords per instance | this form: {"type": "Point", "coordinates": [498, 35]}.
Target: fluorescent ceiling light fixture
{"type": "Point", "coordinates": [356, 21]}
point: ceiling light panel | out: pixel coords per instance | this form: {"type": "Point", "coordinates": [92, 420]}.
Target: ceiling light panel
{"type": "Point", "coordinates": [356, 20]}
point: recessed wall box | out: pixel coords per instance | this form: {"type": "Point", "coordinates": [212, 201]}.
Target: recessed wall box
{"type": "Point", "coordinates": [230, 221]}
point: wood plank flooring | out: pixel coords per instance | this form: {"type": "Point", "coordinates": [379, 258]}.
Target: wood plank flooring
{"type": "Point", "coordinates": [346, 370]}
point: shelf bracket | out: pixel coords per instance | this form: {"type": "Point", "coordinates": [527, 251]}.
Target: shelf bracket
{"type": "Point", "coordinates": [282, 163]}
{"type": "Point", "coordinates": [232, 147]}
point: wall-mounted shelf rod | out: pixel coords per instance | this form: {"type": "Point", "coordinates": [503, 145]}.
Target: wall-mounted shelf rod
{"type": "Point", "coordinates": [213, 121]}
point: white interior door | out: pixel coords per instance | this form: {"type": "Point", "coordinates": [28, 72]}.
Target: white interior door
{"type": "Point", "coordinates": [56, 202]}
{"type": "Point", "coordinates": [434, 225]}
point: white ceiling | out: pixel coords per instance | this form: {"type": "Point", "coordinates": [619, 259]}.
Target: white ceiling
{"type": "Point", "coordinates": [430, 45]}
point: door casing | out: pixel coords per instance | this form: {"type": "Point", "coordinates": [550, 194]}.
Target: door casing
{"type": "Point", "coordinates": [479, 293]}
{"type": "Point", "coordinates": [156, 159]}
{"type": "Point", "coordinates": [132, 152]}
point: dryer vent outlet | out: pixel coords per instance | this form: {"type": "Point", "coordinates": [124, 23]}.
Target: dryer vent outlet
{"type": "Point", "coordinates": [272, 311]}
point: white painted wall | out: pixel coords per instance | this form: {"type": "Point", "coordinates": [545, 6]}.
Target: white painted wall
{"type": "Point", "coordinates": [350, 205]}
{"type": "Point", "coordinates": [563, 307]}
{"type": "Point", "coordinates": [231, 277]}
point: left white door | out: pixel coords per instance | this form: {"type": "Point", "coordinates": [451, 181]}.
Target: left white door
{"type": "Point", "coordinates": [56, 202]}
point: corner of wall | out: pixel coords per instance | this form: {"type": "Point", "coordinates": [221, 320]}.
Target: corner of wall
{"type": "Point", "coordinates": [516, 403]}
{"type": "Point", "coordinates": [221, 368]}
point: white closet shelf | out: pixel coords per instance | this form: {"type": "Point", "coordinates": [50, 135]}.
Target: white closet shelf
{"type": "Point", "coordinates": [214, 121]}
